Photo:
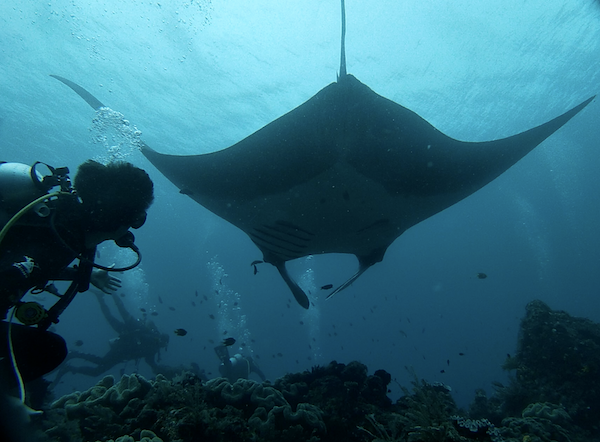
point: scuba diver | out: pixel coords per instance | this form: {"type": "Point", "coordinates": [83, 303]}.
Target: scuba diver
{"type": "Point", "coordinates": [138, 339]}
{"type": "Point", "coordinates": [43, 233]}
{"type": "Point", "coordinates": [237, 367]}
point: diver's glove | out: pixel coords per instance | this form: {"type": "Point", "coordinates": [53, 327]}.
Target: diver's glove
{"type": "Point", "coordinates": [104, 281]}
{"type": "Point", "coordinates": [26, 267]}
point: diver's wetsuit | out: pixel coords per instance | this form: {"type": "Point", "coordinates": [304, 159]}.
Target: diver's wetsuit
{"type": "Point", "coordinates": [37, 351]}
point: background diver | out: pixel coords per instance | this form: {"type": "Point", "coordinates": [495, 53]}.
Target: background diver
{"type": "Point", "coordinates": [236, 367]}
{"type": "Point", "coordinates": [43, 233]}
{"type": "Point", "coordinates": [137, 339]}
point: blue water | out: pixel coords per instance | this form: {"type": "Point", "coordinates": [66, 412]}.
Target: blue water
{"type": "Point", "coordinates": [197, 76]}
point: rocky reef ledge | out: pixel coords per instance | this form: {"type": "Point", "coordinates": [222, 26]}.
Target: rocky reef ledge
{"type": "Point", "coordinates": [554, 396]}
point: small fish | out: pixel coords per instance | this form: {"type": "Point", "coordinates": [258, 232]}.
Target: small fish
{"type": "Point", "coordinates": [279, 355]}
{"type": "Point", "coordinates": [143, 310]}
{"type": "Point", "coordinates": [172, 309]}
{"type": "Point", "coordinates": [193, 303]}
{"type": "Point", "coordinates": [185, 191]}
{"type": "Point", "coordinates": [205, 298]}
{"type": "Point", "coordinates": [461, 354]}
{"type": "Point", "coordinates": [160, 300]}
{"type": "Point", "coordinates": [211, 316]}
{"type": "Point", "coordinates": [442, 371]}
{"type": "Point", "coordinates": [448, 362]}
{"type": "Point", "coordinates": [180, 332]}
{"type": "Point", "coordinates": [227, 342]}
{"type": "Point", "coordinates": [154, 313]}
{"type": "Point", "coordinates": [255, 270]}
{"type": "Point", "coordinates": [301, 322]}
{"type": "Point", "coordinates": [481, 275]}
{"type": "Point", "coordinates": [78, 343]}
{"type": "Point", "coordinates": [327, 287]}
{"type": "Point", "coordinates": [403, 333]}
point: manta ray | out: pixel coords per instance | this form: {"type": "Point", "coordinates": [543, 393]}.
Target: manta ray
{"type": "Point", "coordinates": [348, 171]}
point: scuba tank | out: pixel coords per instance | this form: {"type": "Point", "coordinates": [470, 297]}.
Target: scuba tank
{"type": "Point", "coordinates": [21, 184]}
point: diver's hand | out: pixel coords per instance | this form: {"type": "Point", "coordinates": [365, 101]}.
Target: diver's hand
{"type": "Point", "coordinates": [104, 281]}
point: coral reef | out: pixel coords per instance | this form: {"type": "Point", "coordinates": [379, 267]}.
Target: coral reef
{"type": "Point", "coordinates": [558, 361]}
{"type": "Point", "coordinates": [322, 404]}
{"type": "Point", "coordinates": [555, 393]}
{"type": "Point", "coordinates": [554, 396]}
